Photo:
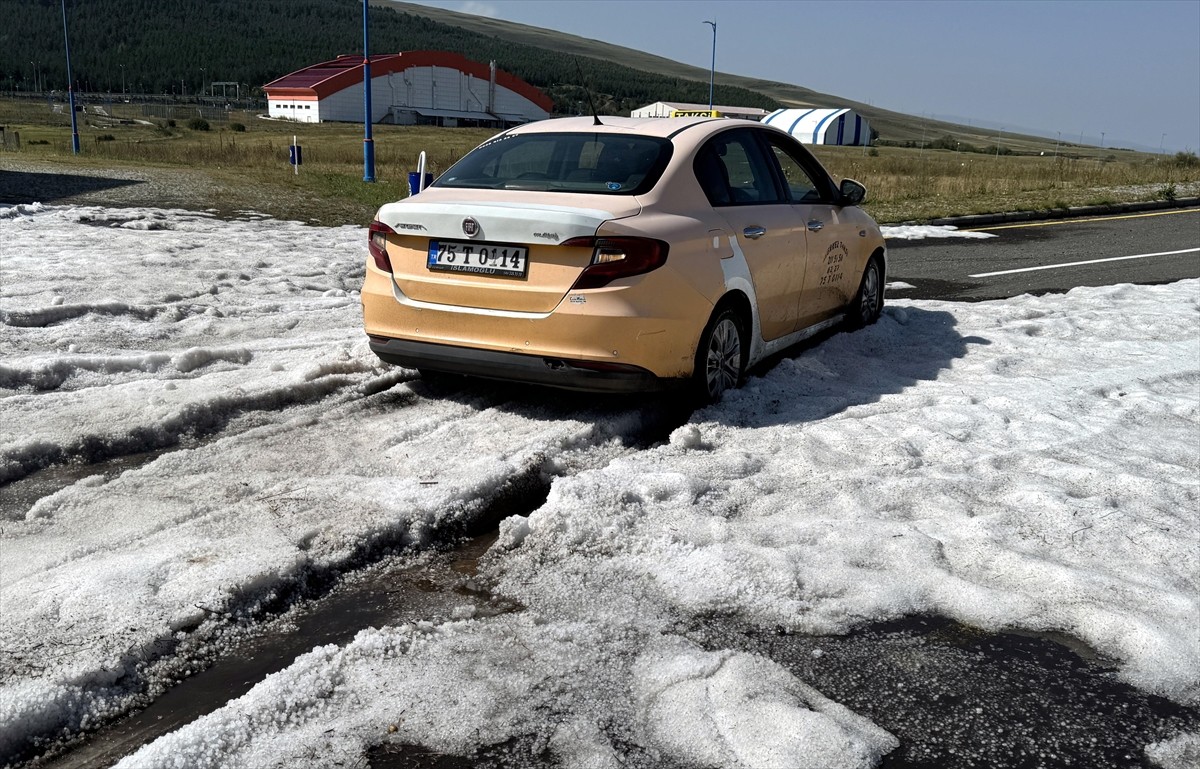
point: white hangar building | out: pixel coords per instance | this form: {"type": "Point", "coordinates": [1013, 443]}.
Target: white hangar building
{"type": "Point", "coordinates": [822, 126]}
{"type": "Point", "coordinates": [415, 87]}
{"type": "Point", "coordinates": [669, 108]}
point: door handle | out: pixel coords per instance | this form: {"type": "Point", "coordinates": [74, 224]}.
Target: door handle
{"type": "Point", "coordinates": [815, 225]}
{"type": "Point", "coordinates": [754, 233]}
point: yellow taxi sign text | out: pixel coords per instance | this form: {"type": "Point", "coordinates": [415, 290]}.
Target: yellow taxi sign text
{"type": "Point", "coordinates": [695, 113]}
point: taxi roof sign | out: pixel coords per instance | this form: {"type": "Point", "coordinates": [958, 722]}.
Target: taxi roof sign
{"type": "Point", "coordinates": [695, 113]}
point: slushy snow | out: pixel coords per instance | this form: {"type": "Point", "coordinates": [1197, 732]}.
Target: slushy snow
{"type": "Point", "coordinates": [1024, 464]}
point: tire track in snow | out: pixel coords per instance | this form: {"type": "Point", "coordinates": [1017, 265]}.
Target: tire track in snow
{"type": "Point", "coordinates": [197, 419]}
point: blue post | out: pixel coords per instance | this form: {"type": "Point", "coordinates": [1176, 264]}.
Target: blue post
{"type": "Point", "coordinates": [70, 85]}
{"type": "Point", "coordinates": [368, 142]}
{"type": "Point", "coordinates": [712, 73]}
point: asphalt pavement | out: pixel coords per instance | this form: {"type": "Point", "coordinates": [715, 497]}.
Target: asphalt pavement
{"type": "Point", "coordinates": [1049, 256]}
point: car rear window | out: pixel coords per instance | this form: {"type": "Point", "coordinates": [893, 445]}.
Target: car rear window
{"type": "Point", "coordinates": [599, 163]}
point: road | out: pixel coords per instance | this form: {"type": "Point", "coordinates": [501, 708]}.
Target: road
{"type": "Point", "coordinates": [1039, 257]}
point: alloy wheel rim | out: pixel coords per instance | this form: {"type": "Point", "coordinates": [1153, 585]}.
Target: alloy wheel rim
{"type": "Point", "coordinates": [724, 357]}
{"type": "Point", "coordinates": [870, 292]}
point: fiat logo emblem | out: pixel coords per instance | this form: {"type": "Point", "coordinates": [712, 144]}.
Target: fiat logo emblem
{"type": "Point", "coordinates": [470, 227]}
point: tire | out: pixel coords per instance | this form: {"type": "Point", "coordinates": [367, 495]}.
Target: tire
{"type": "Point", "coordinates": [867, 304]}
{"type": "Point", "coordinates": [720, 357]}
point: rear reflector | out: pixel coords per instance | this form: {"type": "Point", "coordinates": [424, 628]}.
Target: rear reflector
{"type": "Point", "coordinates": [594, 365]}
{"type": "Point", "coordinates": [618, 257]}
{"type": "Point", "coordinates": [377, 245]}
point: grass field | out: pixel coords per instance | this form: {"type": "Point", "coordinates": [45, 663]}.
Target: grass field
{"type": "Point", "coordinates": [250, 167]}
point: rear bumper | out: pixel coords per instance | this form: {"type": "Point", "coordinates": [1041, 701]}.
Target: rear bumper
{"type": "Point", "coordinates": [510, 366]}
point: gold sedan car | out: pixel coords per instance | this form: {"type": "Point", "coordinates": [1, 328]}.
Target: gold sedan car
{"type": "Point", "coordinates": [617, 254]}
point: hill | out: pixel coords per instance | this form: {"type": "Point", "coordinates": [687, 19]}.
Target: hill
{"type": "Point", "coordinates": [180, 48]}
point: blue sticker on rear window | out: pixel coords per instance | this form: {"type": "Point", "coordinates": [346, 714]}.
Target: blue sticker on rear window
{"type": "Point", "coordinates": [614, 186]}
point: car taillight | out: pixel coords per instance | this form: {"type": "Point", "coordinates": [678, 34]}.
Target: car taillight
{"type": "Point", "coordinates": [618, 257]}
{"type": "Point", "coordinates": [377, 245]}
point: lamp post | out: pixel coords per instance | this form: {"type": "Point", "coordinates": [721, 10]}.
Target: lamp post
{"type": "Point", "coordinates": [368, 142]}
{"type": "Point", "coordinates": [70, 85]}
{"type": "Point", "coordinates": [712, 72]}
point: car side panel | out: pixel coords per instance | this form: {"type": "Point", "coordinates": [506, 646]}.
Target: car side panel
{"type": "Point", "coordinates": [836, 257]}
{"type": "Point", "coordinates": [776, 261]}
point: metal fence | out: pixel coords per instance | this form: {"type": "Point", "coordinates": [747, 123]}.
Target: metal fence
{"type": "Point", "coordinates": [185, 112]}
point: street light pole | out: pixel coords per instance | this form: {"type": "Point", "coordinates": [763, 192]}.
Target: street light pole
{"type": "Point", "coordinates": [70, 85]}
{"type": "Point", "coordinates": [368, 142]}
{"type": "Point", "coordinates": [712, 72]}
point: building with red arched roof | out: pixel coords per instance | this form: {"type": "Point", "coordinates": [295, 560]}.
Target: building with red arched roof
{"type": "Point", "coordinates": [410, 88]}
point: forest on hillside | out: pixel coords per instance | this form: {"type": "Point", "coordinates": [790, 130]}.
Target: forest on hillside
{"type": "Point", "coordinates": [183, 46]}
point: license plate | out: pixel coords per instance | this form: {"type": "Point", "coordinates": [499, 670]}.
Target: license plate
{"type": "Point", "coordinates": [479, 258]}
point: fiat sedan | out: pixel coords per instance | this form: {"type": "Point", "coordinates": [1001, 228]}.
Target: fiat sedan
{"type": "Point", "coordinates": [618, 254]}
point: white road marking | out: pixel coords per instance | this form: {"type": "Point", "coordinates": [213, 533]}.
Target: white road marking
{"type": "Point", "coordinates": [1089, 261]}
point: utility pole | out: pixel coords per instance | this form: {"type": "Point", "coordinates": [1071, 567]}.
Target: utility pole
{"type": "Point", "coordinates": [70, 85]}
{"type": "Point", "coordinates": [368, 142]}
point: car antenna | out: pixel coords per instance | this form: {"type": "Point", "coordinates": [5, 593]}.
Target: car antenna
{"type": "Point", "coordinates": [588, 91]}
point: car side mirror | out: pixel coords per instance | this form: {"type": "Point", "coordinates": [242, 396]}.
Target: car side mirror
{"type": "Point", "coordinates": [853, 193]}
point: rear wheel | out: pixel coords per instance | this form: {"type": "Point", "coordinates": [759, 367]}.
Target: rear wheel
{"type": "Point", "coordinates": [868, 302]}
{"type": "Point", "coordinates": [721, 357]}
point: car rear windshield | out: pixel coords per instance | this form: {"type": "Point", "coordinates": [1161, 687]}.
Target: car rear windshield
{"type": "Point", "coordinates": [599, 163]}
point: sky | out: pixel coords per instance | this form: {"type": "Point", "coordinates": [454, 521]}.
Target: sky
{"type": "Point", "coordinates": [1027, 464]}
{"type": "Point", "coordinates": [1128, 69]}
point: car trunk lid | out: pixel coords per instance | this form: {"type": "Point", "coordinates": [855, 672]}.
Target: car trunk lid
{"type": "Point", "coordinates": [436, 218]}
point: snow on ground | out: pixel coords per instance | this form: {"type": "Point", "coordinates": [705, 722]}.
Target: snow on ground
{"type": "Point", "coordinates": [923, 231]}
{"type": "Point", "coordinates": [1029, 463]}
{"type": "Point", "coordinates": [332, 450]}
{"type": "Point", "coordinates": [1182, 752]}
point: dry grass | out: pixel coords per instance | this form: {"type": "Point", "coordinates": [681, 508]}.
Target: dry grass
{"type": "Point", "coordinates": [904, 184]}
{"type": "Point", "coordinates": [911, 184]}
